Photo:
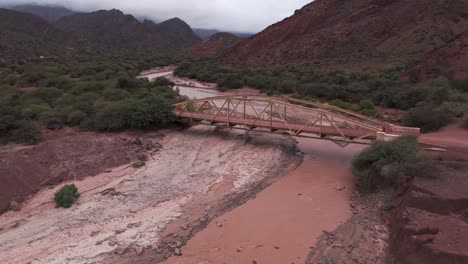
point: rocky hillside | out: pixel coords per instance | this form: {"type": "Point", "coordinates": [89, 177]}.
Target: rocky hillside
{"type": "Point", "coordinates": [49, 13]}
{"type": "Point", "coordinates": [216, 44]}
{"type": "Point", "coordinates": [116, 30]}
{"type": "Point", "coordinates": [356, 33]}
{"type": "Point", "coordinates": [450, 60]}
{"type": "Point", "coordinates": [25, 35]}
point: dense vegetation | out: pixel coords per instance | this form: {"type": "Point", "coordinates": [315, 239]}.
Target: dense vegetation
{"type": "Point", "coordinates": [355, 90]}
{"type": "Point", "coordinates": [97, 93]}
{"type": "Point", "coordinates": [384, 164]}
{"type": "Point", "coordinates": [66, 196]}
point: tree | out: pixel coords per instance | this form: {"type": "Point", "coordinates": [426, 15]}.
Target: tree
{"type": "Point", "coordinates": [381, 165]}
{"type": "Point", "coordinates": [428, 117]}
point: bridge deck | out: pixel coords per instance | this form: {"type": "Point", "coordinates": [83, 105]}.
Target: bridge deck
{"type": "Point", "coordinates": [280, 125]}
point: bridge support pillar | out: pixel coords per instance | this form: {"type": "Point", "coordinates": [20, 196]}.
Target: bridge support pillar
{"type": "Point", "coordinates": [380, 136]}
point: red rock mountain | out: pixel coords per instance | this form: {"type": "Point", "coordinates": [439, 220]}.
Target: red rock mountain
{"type": "Point", "coordinates": [356, 33]}
{"type": "Point", "coordinates": [216, 44]}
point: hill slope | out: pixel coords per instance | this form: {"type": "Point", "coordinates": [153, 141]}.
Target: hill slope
{"type": "Point", "coordinates": [49, 13]}
{"type": "Point", "coordinates": [113, 29]}
{"type": "Point", "coordinates": [24, 35]}
{"type": "Point", "coordinates": [216, 44]}
{"type": "Point", "coordinates": [356, 33]}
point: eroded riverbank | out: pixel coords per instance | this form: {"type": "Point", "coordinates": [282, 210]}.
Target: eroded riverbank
{"type": "Point", "coordinates": [128, 212]}
{"type": "Point", "coordinates": [282, 223]}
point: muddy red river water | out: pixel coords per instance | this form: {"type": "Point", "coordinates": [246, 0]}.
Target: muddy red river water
{"type": "Point", "coordinates": [282, 222]}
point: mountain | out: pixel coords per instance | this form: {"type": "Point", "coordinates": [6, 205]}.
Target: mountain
{"type": "Point", "coordinates": [24, 36]}
{"type": "Point", "coordinates": [356, 33]}
{"type": "Point", "coordinates": [216, 44]}
{"type": "Point", "coordinates": [112, 29]}
{"type": "Point", "coordinates": [207, 33]}
{"type": "Point", "coordinates": [49, 13]}
{"type": "Point", "coordinates": [450, 60]}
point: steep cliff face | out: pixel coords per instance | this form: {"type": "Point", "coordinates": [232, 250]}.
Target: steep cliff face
{"type": "Point", "coordinates": [356, 33]}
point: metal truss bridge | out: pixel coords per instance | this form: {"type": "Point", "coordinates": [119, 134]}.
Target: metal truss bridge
{"type": "Point", "coordinates": [297, 117]}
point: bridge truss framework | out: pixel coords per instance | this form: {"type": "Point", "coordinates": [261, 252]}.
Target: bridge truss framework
{"type": "Point", "coordinates": [297, 117]}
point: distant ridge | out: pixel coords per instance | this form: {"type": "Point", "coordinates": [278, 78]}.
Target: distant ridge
{"type": "Point", "coordinates": [216, 44]}
{"type": "Point", "coordinates": [49, 12]}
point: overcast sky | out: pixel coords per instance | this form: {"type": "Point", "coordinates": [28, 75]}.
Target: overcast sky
{"type": "Point", "coordinates": [232, 15]}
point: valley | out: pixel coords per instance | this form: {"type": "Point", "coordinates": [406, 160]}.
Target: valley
{"type": "Point", "coordinates": [158, 133]}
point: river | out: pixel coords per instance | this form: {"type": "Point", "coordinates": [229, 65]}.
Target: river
{"type": "Point", "coordinates": [283, 221]}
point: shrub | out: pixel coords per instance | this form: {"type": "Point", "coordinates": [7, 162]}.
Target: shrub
{"type": "Point", "coordinates": [26, 132]}
{"type": "Point", "coordinates": [53, 119]}
{"type": "Point", "coordinates": [33, 111]}
{"type": "Point", "coordinates": [75, 117]}
{"type": "Point", "coordinates": [14, 206]}
{"type": "Point", "coordinates": [381, 165]}
{"type": "Point", "coordinates": [455, 109]}
{"type": "Point", "coordinates": [138, 164]}
{"type": "Point", "coordinates": [111, 117]}
{"type": "Point", "coordinates": [367, 108]}
{"type": "Point", "coordinates": [427, 117]}
{"type": "Point", "coordinates": [231, 82]}
{"type": "Point", "coordinates": [341, 104]}
{"type": "Point", "coordinates": [66, 196]}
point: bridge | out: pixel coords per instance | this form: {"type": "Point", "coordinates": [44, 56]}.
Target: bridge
{"type": "Point", "coordinates": [297, 117]}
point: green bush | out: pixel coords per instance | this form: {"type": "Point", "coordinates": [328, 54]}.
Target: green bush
{"type": "Point", "coordinates": [26, 132]}
{"type": "Point", "coordinates": [66, 196]}
{"type": "Point", "coordinates": [367, 108]}
{"type": "Point", "coordinates": [33, 111]}
{"type": "Point", "coordinates": [381, 165]}
{"type": "Point", "coordinates": [138, 164]}
{"type": "Point", "coordinates": [341, 104]}
{"type": "Point", "coordinates": [14, 206]}
{"type": "Point", "coordinates": [427, 117]}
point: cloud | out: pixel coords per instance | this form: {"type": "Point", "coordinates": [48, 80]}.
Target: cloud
{"type": "Point", "coordinates": [232, 15]}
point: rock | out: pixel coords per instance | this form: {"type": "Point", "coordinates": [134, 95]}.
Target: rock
{"type": "Point", "coordinates": [276, 247]}
{"type": "Point", "coordinates": [120, 231]}
{"type": "Point", "coordinates": [219, 225]}
{"type": "Point", "coordinates": [52, 181]}
{"type": "Point", "coordinates": [149, 145]}
{"type": "Point", "coordinates": [108, 171]}
{"type": "Point", "coordinates": [139, 250]}
{"type": "Point", "coordinates": [177, 252]}
{"type": "Point", "coordinates": [112, 243]}
{"type": "Point", "coordinates": [179, 244]}
{"type": "Point", "coordinates": [340, 188]}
